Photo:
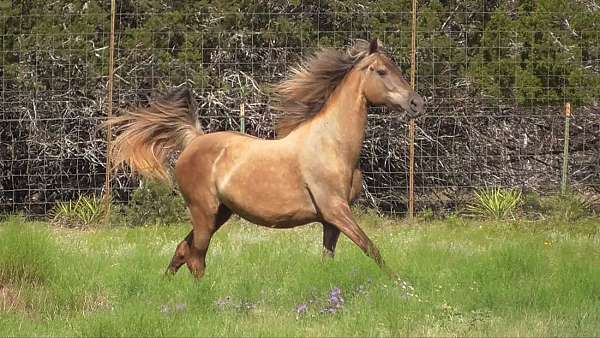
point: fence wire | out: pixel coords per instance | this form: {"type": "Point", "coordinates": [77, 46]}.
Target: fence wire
{"type": "Point", "coordinates": [495, 77]}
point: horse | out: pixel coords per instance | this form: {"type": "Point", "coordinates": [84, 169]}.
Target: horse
{"type": "Point", "coordinates": [308, 173]}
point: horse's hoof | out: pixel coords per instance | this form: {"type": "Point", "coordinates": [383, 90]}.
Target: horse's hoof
{"type": "Point", "coordinates": [327, 255]}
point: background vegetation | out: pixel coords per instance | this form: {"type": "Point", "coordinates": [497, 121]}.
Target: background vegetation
{"type": "Point", "coordinates": [495, 75]}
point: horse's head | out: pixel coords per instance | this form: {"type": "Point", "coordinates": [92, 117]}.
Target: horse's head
{"type": "Point", "coordinates": [384, 84]}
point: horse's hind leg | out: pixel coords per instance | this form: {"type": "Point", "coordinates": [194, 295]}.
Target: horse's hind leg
{"type": "Point", "coordinates": [206, 223]}
{"type": "Point", "coordinates": [180, 253]}
{"type": "Point", "coordinates": [192, 250]}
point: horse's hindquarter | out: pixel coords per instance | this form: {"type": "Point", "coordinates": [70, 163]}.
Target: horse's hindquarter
{"type": "Point", "coordinates": [260, 180]}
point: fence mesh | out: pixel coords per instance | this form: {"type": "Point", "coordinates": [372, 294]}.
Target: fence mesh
{"type": "Point", "coordinates": [495, 76]}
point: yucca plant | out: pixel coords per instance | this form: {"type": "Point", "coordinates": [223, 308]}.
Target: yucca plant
{"type": "Point", "coordinates": [84, 212]}
{"type": "Point", "coordinates": [495, 202]}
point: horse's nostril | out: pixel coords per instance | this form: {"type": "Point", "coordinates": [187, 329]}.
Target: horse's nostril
{"type": "Point", "coordinates": [416, 103]}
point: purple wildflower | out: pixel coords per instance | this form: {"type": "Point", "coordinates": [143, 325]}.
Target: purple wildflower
{"type": "Point", "coordinates": [302, 308]}
{"type": "Point", "coordinates": [336, 301]}
{"type": "Point", "coordinates": [335, 298]}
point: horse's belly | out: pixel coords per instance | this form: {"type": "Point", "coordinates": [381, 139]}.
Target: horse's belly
{"type": "Point", "coordinates": [277, 208]}
{"type": "Point", "coordinates": [268, 198]}
{"type": "Point", "coordinates": [278, 218]}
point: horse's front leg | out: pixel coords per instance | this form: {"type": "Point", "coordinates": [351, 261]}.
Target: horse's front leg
{"type": "Point", "coordinates": [337, 212]}
{"type": "Point", "coordinates": [330, 232]}
{"type": "Point", "coordinates": [357, 186]}
{"type": "Point", "coordinates": [330, 238]}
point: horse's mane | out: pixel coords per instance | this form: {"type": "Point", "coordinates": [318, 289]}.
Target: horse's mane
{"type": "Point", "coordinates": [302, 95]}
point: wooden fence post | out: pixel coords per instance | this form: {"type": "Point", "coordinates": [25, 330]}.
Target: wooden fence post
{"type": "Point", "coordinates": [109, 94]}
{"type": "Point", "coordinates": [242, 118]}
{"type": "Point", "coordinates": [412, 124]}
{"type": "Point", "coordinates": [565, 165]}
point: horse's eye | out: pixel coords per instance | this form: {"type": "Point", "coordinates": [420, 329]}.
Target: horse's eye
{"type": "Point", "coordinates": [381, 72]}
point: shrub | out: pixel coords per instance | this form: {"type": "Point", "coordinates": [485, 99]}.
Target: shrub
{"type": "Point", "coordinates": [496, 203]}
{"type": "Point", "coordinates": [426, 215]}
{"type": "Point", "coordinates": [532, 204]}
{"type": "Point", "coordinates": [566, 207]}
{"type": "Point", "coordinates": [155, 204]}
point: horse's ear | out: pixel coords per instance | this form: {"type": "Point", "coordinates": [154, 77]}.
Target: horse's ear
{"type": "Point", "coordinates": [373, 47]}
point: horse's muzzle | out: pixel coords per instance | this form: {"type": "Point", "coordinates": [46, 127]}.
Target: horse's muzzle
{"type": "Point", "coordinates": [416, 106]}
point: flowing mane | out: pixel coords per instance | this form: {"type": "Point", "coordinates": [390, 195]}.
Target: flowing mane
{"type": "Point", "coordinates": [302, 95]}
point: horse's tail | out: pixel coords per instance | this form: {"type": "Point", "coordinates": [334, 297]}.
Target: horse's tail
{"type": "Point", "coordinates": [149, 135]}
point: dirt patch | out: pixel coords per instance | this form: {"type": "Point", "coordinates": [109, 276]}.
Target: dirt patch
{"type": "Point", "coordinates": [11, 300]}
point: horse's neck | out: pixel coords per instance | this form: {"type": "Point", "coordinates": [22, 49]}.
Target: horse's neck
{"type": "Point", "coordinates": [343, 122]}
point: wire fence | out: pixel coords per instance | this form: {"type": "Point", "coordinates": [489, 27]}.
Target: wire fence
{"type": "Point", "coordinates": [495, 80]}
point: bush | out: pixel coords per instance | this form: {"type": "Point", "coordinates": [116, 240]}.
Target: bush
{"type": "Point", "coordinates": [566, 207]}
{"type": "Point", "coordinates": [426, 215]}
{"type": "Point", "coordinates": [155, 204]}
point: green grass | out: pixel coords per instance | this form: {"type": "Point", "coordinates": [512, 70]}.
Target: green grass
{"type": "Point", "coordinates": [469, 278]}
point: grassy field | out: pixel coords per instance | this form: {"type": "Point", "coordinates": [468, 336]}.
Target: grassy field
{"type": "Point", "coordinates": [460, 278]}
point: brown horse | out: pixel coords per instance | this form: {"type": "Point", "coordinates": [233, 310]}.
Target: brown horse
{"type": "Point", "coordinates": [307, 175]}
